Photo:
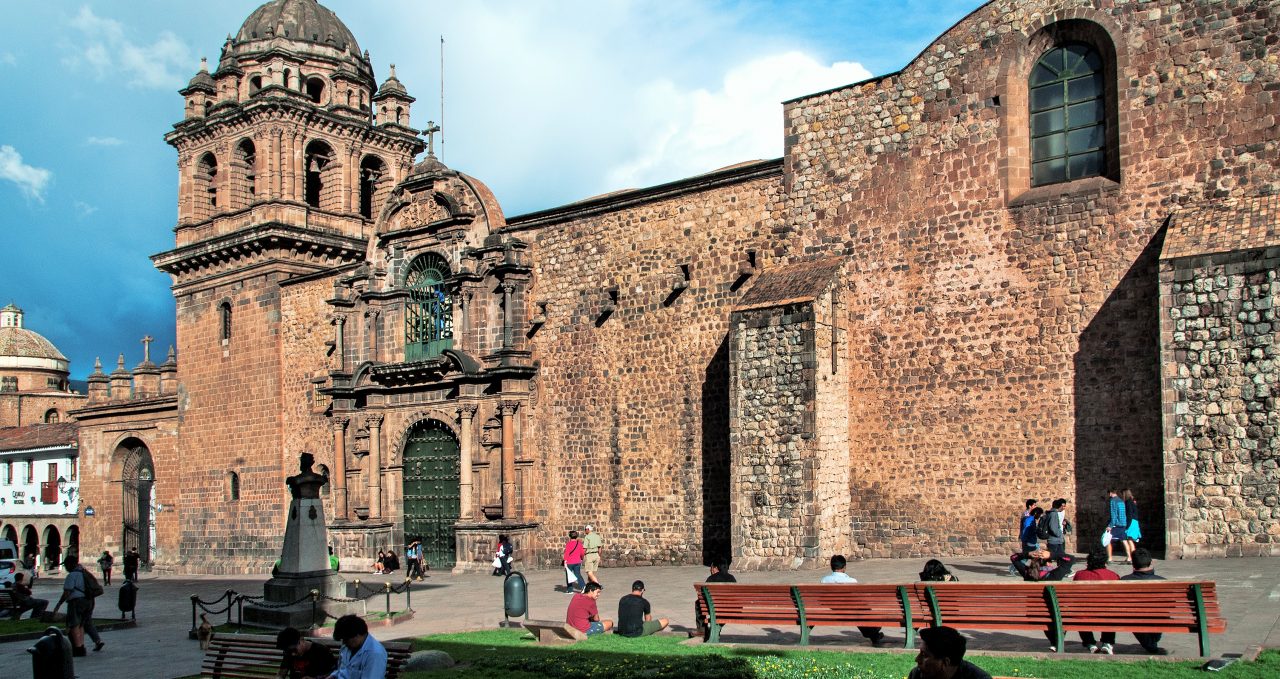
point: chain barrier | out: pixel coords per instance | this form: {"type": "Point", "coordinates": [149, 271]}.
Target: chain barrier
{"type": "Point", "coordinates": [236, 600]}
{"type": "Point", "coordinates": [205, 606]}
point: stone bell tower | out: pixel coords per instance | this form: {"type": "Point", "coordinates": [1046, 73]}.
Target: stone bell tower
{"type": "Point", "coordinates": [283, 167]}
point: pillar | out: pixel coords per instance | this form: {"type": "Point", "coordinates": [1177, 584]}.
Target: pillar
{"type": "Point", "coordinates": [507, 315]}
{"type": "Point", "coordinates": [375, 467]}
{"type": "Point", "coordinates": [340, 468]}
{"type": "Point", "coordinates": [508, 458]}
{"type": "Point", "coordinates": [340, 342]}
{"type": "Point", "coordinates": [466, 511]}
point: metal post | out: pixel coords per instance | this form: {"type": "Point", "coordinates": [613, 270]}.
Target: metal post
{"type": "Point", "coordinates": [315, 599]}
{"type": "Point", "coordinates": [386, 587]}
{"type": "Point", "coordinates": [194, 599]}
{"type": "Point", "coordinates": [229, 595]}
{"type": "Point", "coordinates": [408, 605]}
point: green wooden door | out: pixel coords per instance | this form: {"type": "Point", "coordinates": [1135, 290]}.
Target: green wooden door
{"type": "Point", "coordinates": [431, 462]}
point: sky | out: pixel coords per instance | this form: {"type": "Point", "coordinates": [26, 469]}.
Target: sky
{"type": "Point", "coordinates": [547, 102]}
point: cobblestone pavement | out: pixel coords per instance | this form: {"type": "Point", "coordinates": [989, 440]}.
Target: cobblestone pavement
{"type": "Point", "coordinates": [159, 648]}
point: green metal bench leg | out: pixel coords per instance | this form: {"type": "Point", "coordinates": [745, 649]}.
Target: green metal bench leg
{"type": "Point", "coordinates": [933, 604]}
{"type": "Point", "coordinates": [711, 618]}
{"type": "Point", "coordinates": [1201, 624]}
{"type": "Point", "coordinates": [1055, 614]}
{"type": "Point", "coordinates": [910, 627]}
{"type": "Point", "coordinates": [804, 621]}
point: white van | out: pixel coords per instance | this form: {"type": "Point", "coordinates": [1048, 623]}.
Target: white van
{"type": "Point", "coordinates": [8, 550]}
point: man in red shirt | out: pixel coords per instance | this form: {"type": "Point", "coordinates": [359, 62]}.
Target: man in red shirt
{"type": "Point", "coordinates": [1097, 570]}
{"type": "Point", "coordinates": [583, 613]}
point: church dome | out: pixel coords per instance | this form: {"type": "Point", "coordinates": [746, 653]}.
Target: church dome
{"type": "Point", "coordinates": [22, 348]}
{"type": "Point", "coordinates": [308, 26]}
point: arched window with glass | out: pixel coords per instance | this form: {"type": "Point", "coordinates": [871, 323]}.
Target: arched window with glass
{"type": "Point", "coordinates": [1068, 115]}
{"type": "Point", "coordinates": [428, 319]}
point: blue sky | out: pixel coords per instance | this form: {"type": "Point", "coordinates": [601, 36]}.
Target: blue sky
{"type": "Point", "coordinates": [547, 102]}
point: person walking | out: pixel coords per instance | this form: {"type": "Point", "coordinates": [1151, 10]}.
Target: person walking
{"type": "Point", "coordinates": [105, 562]}
{"type": "Point", "coordinates": [132, 560]}
{"type": "Point", "coordinates": [1096, 571]}
{"type": "Point", "coordinates": [1116, 522]}
{"type": "Point", "coordinates": [573, 553]}
{"type": "Point", "coordinates": [1059, 526]}
{"type": "Point", "coordinates": [413, 560]}
{"type": "Point", "coordinates": [1132, 532]}
{"type": "Point", "coordinates": [78, 595]}
{"type": "Point", "coordinates": [591, 544]}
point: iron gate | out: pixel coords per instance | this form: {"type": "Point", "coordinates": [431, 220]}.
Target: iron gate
{"type": "Point", "coordinates": [431, 461]}
{"type": "Point", "coordinates": [136, 483]}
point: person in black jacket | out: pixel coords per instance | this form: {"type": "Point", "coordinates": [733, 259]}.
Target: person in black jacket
{"type": "Point", "coordinates": [131, 562]}
{"type": "Point", "coordinates": [1143, 570]}
{"type": "Point", "coordinates": [302, 658]}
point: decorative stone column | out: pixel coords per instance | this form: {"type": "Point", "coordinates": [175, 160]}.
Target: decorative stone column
{"type": "Point", "coordinates": [340, 468]}
{"type": "Point", "coordinates": [507, 320]}
{"type": "Point", "coordinates": [340, 341]}
{"type": "Point", "coordinates": [375, 466]}
{"type": "Point", "coordinates": [466, 412]}
{"type": "Point", "coordinates": [508, 409]}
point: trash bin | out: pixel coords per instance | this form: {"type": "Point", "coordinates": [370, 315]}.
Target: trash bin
{"type": "Point", "coordinates": [51, 656]}
{"type": "Point", "coordinates": [515, 596]}
{"type": "Point", "coordinates": [128, 601]}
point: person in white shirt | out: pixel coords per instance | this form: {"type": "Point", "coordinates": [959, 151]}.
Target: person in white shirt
{"type": "Point", "coordinates": [362, 656]}
{"type": "Point", "coordinates": [838, 576]}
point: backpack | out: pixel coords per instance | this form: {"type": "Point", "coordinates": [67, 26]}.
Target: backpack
{"type": "Point", "coordinates": [1042, 527]}
{"type": "Point", "coordinates": [92, 588]}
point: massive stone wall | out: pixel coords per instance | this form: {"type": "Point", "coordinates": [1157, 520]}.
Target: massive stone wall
{"type": "Point", "coordinates": [231, 421]}
{"type": "Point", "coordinates": [628, 423]}
{"type": "Point", "coordinates": [1005, 337]}
{"type": "Point", "coordinates": [1223, 429]}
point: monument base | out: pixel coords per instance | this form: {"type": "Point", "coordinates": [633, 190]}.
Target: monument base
{"type": "Point", "coordinates": [287, 588]}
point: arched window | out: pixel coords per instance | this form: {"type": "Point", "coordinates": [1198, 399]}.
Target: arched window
{"type": "Point", "coordinates": [324, 490]}
{"type": "Point", "coordinates": [224, 318]}
{"type": "Point", "coordinates": [429, 311]}
{"type": "Point", "coordinates": [206, 181]}
{"type": "Point", "coordinates": [321, 188]}
{"type": "Point", "coordinates": [233, 486]}
{"type": "Point", "coordinates": [315, 89]}
{"type": "Point", "coordinates": [288, 75]}
{"type": "Point", "coordinates": [52, 416]}
{"type": "Point", "coordinates": [247, 156]}
{"type": "Point", "coordinates": [371, 170]}
{"type": "Point", "coordinates": [255, 84]}
{"type": "Point", "coordinates": [1068, 115]}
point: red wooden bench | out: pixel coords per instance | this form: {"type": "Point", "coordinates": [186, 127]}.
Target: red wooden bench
{"type": "Point", "coordinates": [747, 605]}
{"type": "Point", "coordinates": [1144, 606]}
{"type": "Point", "coordinates": [806, 606]}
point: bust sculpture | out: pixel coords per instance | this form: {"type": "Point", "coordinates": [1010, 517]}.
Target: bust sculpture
{"type": "Point", "coordinates": [306, 484]}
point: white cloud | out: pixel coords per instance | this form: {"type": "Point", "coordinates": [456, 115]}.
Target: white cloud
{"type": "Point", "coordinates": [555, 101]}
{"type": "Point", "coordinates": [31, 180]}
{"type": "Point", "coordinates": [691, 131]}
{"type": "Point", "coordinates": [107, 51]}
{"type": "Point", "coordinates": [84, 209]}
{"type": "Point", "coordinates": [104, 141]}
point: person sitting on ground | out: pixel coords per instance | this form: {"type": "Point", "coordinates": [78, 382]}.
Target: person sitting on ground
{"type": "Point", "coordinates": [362, 656]}
{"type": "Point", "coordinates": [303, 659]}
{"type": "Point", "coordinates": [379, 566]}
{"type": "Point", "coordinates": [634, 617]}
{"type": "Point", "coordinates": [1097, 571]}
{"type": "Point", "coordinates": [942, 657]}
{"type": "Point", "coordinates": [392, 563]}
{"type": "Point", "coordinates": [583, 614]}
{"type": "Point", "coordinates": [838, 576]}
{"type": "Point", "coordinates": [25, 601]}
{"type": "Point", "coordinates": [935, 571]}
{"type": "Point", "coordinates": [1143, 570]}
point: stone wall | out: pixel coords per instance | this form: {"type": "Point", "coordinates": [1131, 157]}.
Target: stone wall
{"type": "Point", "coordinates": [1005, 337]}
{"type": "Point", "coordinates": [773, 468]}
{"type": "Point", "coordinates": [1222, 442]}
{"type": "Point", "coordinates": [18, 410]}
{"type": "Point", "coordinates": [628, 422]}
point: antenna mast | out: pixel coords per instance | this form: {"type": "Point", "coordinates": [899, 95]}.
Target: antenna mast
{"type": "Point", "coordinates": [441, 95]}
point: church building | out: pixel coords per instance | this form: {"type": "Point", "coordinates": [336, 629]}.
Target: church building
{"type": "Point", "coordinates": [1038, 261]}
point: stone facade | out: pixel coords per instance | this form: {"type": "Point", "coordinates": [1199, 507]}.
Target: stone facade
{"type": "Point", "coordinates": [877, 345]}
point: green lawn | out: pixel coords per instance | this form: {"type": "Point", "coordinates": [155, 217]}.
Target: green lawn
{"type": "Point", "coordinates": [27, 625]}
{"type": "Point", "coordinates": [512, 654]}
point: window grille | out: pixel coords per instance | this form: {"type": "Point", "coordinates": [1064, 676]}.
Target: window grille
{"type": "Point", "coordinates": [1068, 115]}
{"type": "Point", "coordinates": [429, 310]}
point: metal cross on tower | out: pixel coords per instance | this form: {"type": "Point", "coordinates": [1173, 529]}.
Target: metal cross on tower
{"type": "Point", "coordinates": [430, 132]}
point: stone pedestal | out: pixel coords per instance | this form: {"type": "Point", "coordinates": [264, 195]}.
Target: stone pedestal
{"type": "Point", "coordinates": [304, 567]}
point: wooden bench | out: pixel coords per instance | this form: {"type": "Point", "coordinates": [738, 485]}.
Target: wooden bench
{"type": "Point", "coordinates": [8, 603]}
{"type": "Point", "coordinates": [554, 631]}
{"type": "Point", "coordinates": [747, 605]}
{"type": "Point", "coordinates": [855, 605]}
{"type": "Point", "coordinates": [252, 656]}
{"type": "Point", "coordinates": [1154, 606]}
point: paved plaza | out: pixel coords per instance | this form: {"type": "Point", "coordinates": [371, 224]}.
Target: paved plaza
{"type": "Point", "coordinates": [158, 648]}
